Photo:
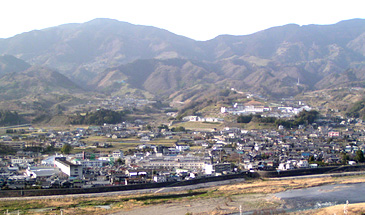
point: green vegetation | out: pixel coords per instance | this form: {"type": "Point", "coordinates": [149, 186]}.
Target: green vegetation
{"type": "Point", "coordinates": [6, 150]}
{"type": "Point", "coordinates": [359, 156]}
{"type": "Point", "coordinates": [357, 110]}
{"type": "Point", "coordinates": [66, 149]}
{"type": "Point", "coordinates": [255, 118]}
{"type": "Point", "coordinates": [199, 125]}
{"type": "Point", "coordinates": [304, 118]}
{"type": "Point", "coordinates": [178, 129]}
{"type": "Point", "coordinates": [98, 118]}
{"type": "Point", "coordinates": [10, 118]}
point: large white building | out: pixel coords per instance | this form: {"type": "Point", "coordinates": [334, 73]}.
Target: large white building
{"type": "Point", "coordinates": [239, 109]}
{"type": "Point", "coordinates": [185, 162]}
{"type": "Point", "coordinates": [70, 169]}
{"type": "Point", "coordinates": [39, 172]}
{"type": "Point", "coordinates": [91, 163]}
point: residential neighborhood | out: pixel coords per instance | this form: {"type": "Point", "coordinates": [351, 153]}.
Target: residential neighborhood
{"type": "Point", "coordinates": [47, 158]}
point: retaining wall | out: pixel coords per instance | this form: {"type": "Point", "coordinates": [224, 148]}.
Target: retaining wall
{"type": "Point", "coordinates": [66, 191]}
{"type": "Point", "coordinates": [311, 171]}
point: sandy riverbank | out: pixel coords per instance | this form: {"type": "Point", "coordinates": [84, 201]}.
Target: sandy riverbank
{"type": "Point", "coordinates": [251, 195]}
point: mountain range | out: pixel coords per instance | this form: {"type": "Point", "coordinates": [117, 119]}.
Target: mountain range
{"type": "Point", "coordinates": [116, 57]}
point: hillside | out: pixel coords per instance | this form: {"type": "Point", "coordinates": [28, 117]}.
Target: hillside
{"type": "Point", "coordinates": [118, 57]}
{"type": "Point", "coordinates": [10, 64]}
{"type": "Point", "coordinates": [35, 81]}
{"type": "Point", "coordinates": [158, 77]}
{"type": "Point", "coordinates": [78, 50]}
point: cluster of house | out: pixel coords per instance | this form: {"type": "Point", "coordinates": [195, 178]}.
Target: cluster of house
{"type": "Point", "coordinates": [255, 107]}
{"type": "Point", "coordinates": [194, 154]}
{"type": "Point", "coordinates": [201, 119]}
{"type": "Point", "coordinates": [116, 103]}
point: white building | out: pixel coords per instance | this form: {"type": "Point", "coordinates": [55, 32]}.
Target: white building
{"type": "Point", "coordinates": [182, 147]}
{"type": "Point", "coordinates": [21, 161]}
{"type": "Point", "coordinates": [70, 169]}
{"type": "Point", "coordinates": [117, 154]}
{"type": "Point", "coordinates": [217, 168]}
{"type": "Point", "coordinates": [184, 162]}
{"type": "Point", "coordinates": [303, 164]}
{"type": "Point", "coordinates": [90, 163]}
{"type": "Point", "coordinates": [39, 172]}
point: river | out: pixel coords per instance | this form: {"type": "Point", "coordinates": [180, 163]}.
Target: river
{"type": "Point", "coordinates": [319, 197]}
{"type": "Point", "coordinates": [327, 194]}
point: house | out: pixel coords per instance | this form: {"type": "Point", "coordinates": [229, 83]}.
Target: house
{"type": "Point", "coordinates": [182, 147]}
{"type": "Point", "coordinates": [118, 179]}
{"type": "Point", "coordinates": [21, 161]}
{"type": "Point", "coordinates": [117, 154]}
{"type": "Point", "coordinates": [303, 164]}
{"type": "Point", "coordinates": [333, 134]}
{"type": "Point", "coordinates": [159, 178]}
{"type": "Point", "coordinates": [217, 168]}
{"type": "Point", "coordinates": [286, 166]}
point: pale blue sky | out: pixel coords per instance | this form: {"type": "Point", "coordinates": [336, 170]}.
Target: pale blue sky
{"type": "Point", "coordinates": [196, 19]}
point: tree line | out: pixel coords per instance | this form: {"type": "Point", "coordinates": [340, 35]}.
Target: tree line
{"type": "Point", "coordinates": [10, 118]}
{"type": "Point", "coordinates": [98, 118]}
{"type": "Point", "coordinates": [303, 118]}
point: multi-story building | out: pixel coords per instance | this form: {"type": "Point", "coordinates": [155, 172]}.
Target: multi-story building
{"type": "Point", "coordinates": [70, 169]}
{"type": "Point", "coordinates": [191, 163]}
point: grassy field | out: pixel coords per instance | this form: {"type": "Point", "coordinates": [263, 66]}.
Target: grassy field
{"type": "Point", "coordinates": [339, 209]}
{"type": "Point", "coordinates": [199, 126]}
{"type": "Point", "coordinates": [251, 194]}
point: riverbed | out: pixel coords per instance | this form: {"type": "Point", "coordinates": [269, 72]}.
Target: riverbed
{"type": "Point", "coordinates": [322, 196]}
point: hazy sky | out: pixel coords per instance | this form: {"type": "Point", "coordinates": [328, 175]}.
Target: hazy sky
{"type": "Point", "coordinates": [196, 19]}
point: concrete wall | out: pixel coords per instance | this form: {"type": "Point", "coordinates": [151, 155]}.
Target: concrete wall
{"type": "Point", "coordinates": [312, 171]}
{"type": "Point", "coordinates": [48, 192]}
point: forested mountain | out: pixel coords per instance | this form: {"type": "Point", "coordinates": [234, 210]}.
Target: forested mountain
{"type": "Point", "coordinates": [114, 57]}
{"type": "Point", "coordinates": [10, 64]}
{"type": "Point", "coordinates": [35, 81]}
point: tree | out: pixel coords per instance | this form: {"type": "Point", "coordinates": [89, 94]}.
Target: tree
{"type": "Point", "coordinates": [120, 161]}
{"type": "Point", "coordinates": [344, 158]}
{"type": "Point", "coordinates": [244, 119]}
{"type": "Point", "coordinates": [359, 157]}
{"type": "Point", "coordinates": [311, 158]}
{"type": "Point", "coordinates": [99, 117]}
{"type": "Point", "coordinates": [178, 129]}
{"type": "Point", "coordinates": [66, 149]}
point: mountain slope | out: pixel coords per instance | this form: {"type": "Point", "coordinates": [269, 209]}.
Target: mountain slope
{"type": "Point", "coordinates": [113, 56]}
{"type": "Point", "coordinates": [77, 50]}
{"type": "Point", "coordinates": [35, 81]}
{"type": "Point", "coordinates": [159, 77]}
{"type": "Point", "coordinates": [10, 64]}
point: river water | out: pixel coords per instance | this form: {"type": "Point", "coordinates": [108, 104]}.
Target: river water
{"type": "Point", "coordinates": [319, 197]}
{"type": "Point", "coordinates": [323, 196]}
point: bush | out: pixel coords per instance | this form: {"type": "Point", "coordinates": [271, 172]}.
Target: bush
{"type": "Point", "coordinates": [244, 119]}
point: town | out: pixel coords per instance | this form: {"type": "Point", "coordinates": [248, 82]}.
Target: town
{"type": "Point", "coordinates": [137, 152]}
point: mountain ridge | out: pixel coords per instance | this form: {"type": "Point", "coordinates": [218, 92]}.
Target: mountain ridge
{"type": "Point", "coordinates": [102, 52]}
